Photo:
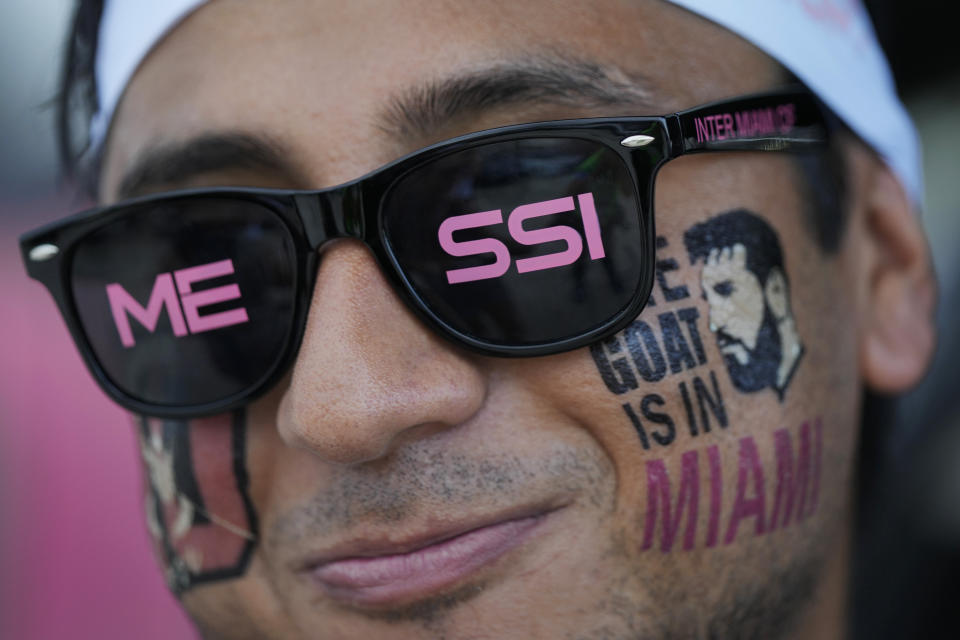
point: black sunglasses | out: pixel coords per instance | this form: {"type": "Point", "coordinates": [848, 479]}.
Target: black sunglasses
{"type": "Point", "coordinates": [524, 240]}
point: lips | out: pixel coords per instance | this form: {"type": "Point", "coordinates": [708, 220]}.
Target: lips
{"type": "Point", "coordinates": [370, 573]}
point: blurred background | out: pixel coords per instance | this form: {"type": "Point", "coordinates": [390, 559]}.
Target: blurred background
{"type": "Point", "coordinates": [75, 561]}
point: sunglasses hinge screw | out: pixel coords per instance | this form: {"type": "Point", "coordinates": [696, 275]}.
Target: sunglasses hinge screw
{"type": "Point", "coordinates": [637, 141]}
{"type": "Point", "coordinates": [43, 252]}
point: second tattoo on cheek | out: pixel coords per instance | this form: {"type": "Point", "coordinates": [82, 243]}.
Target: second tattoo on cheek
{"type": "Point", "coordinates": [199, 511]}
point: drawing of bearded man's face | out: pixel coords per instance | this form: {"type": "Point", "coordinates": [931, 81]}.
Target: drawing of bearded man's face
{"type": "Point", "coordinates": [745, 286]}
{"type": "Point", "coordinates": [745, 328]}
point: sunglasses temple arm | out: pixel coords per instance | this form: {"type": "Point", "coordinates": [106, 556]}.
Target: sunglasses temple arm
{"type": "Point", "coordinates": [789, 121]}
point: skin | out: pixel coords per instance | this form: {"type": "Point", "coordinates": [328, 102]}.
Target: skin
{"type": "Point", "coordinates": [382, 429]}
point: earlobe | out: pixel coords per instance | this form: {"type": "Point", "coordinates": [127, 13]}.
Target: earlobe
{"type": "Point", "coordinates": [898, 334]}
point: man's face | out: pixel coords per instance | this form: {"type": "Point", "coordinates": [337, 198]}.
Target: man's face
{"type": "Point", "coordinates": [405, 488]}
{"type": "Point", "coordinates": [746, 331]}
{"type": "Point", "coordinates": [736, 302]}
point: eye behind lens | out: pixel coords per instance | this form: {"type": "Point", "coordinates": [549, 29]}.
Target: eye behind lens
{"type": "Point", "coordinates": [520, 242]}
{"type": "Point", "coordinates": [187, 302]}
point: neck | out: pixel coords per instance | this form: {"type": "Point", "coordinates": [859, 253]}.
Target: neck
{"type": "Point", "coordinates": [790, 348]}
{"type": "Point", "coordinates": [826, 618]}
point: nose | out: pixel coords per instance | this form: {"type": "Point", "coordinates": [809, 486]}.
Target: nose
{"type": "Point", "coordinates": [369, 374]}
{"type": "Point", "coordinates": [717, 313]}
{"type": "Point", "coordinates": [714, 317]}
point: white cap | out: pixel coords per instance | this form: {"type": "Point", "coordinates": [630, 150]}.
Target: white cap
{"type": "Point", "coordinates": [129, 29]}
{"type": "Point", "coordinates": [831, 47]}
{"type": "Point", "coordinates": [828, 44]}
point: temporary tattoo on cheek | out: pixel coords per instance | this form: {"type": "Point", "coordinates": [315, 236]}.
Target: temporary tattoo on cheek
{"type": "Point", "coordinates": [745, 284]}
{"type": "Point", "coordinates": [199, 511]}
{"type": "Point", "coordinates": [670, 344]}
{"type": "Point", "coordinates": [675, 506]}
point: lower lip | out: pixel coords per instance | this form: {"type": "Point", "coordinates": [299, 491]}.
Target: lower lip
{"type": "Point", "coordinates": [386, 579]}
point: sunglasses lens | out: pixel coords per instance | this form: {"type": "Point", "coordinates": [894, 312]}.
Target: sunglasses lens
{"type": "Point", "coordinates": [520, 243]}
{"type": "Point", "coordinates": [187, 302]}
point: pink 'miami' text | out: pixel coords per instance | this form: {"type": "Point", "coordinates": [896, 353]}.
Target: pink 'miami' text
{"type": "Point", "coordinates": [762, 502]}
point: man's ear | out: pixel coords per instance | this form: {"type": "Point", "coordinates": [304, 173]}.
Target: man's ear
{"type": "Point", "coordinates": [898, 336]}
{"type": "Point", "coordinates": [778, 298]}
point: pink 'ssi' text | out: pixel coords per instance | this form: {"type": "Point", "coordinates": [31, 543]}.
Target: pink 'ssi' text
{"type": "Point", "coordinates": [570, 236]}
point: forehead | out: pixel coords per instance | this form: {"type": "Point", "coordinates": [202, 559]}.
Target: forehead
{"type": "Point", "coordinates": [315, 75]}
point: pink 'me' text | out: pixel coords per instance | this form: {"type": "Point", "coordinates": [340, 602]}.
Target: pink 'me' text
{"type": "Point", "coordinates": [183, 309]}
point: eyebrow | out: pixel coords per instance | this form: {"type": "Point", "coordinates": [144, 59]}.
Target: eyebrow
{"type": "Point", "coordinates": [411, 116]}
{"type": "Point", "coordinates": [174, 163]}
{"type": "Point", "coordinates": [420, 111]}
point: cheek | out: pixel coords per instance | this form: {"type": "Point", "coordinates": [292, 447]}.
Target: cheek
{"type": "Point", "coordinates": [664, 372]}
{"type": "Point", "coordinates": [738, 451]}
{"type": "Point", "coordinates": [657, 387]}
{"type": "Point", "coordinates": [749, 301]}
{"type": "Point", "coordinates": [718, 310]}
{"type": "Point", "coordinates": [744, 314]}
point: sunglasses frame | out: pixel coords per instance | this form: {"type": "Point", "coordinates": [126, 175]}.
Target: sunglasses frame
{"type": "Point", "coordinates": [354, 210]}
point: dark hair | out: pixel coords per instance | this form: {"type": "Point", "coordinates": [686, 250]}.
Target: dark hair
{"type": "Point", "coordinates": [76, 100]}
{"type": "Point", "coordinates": [737, 227]}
